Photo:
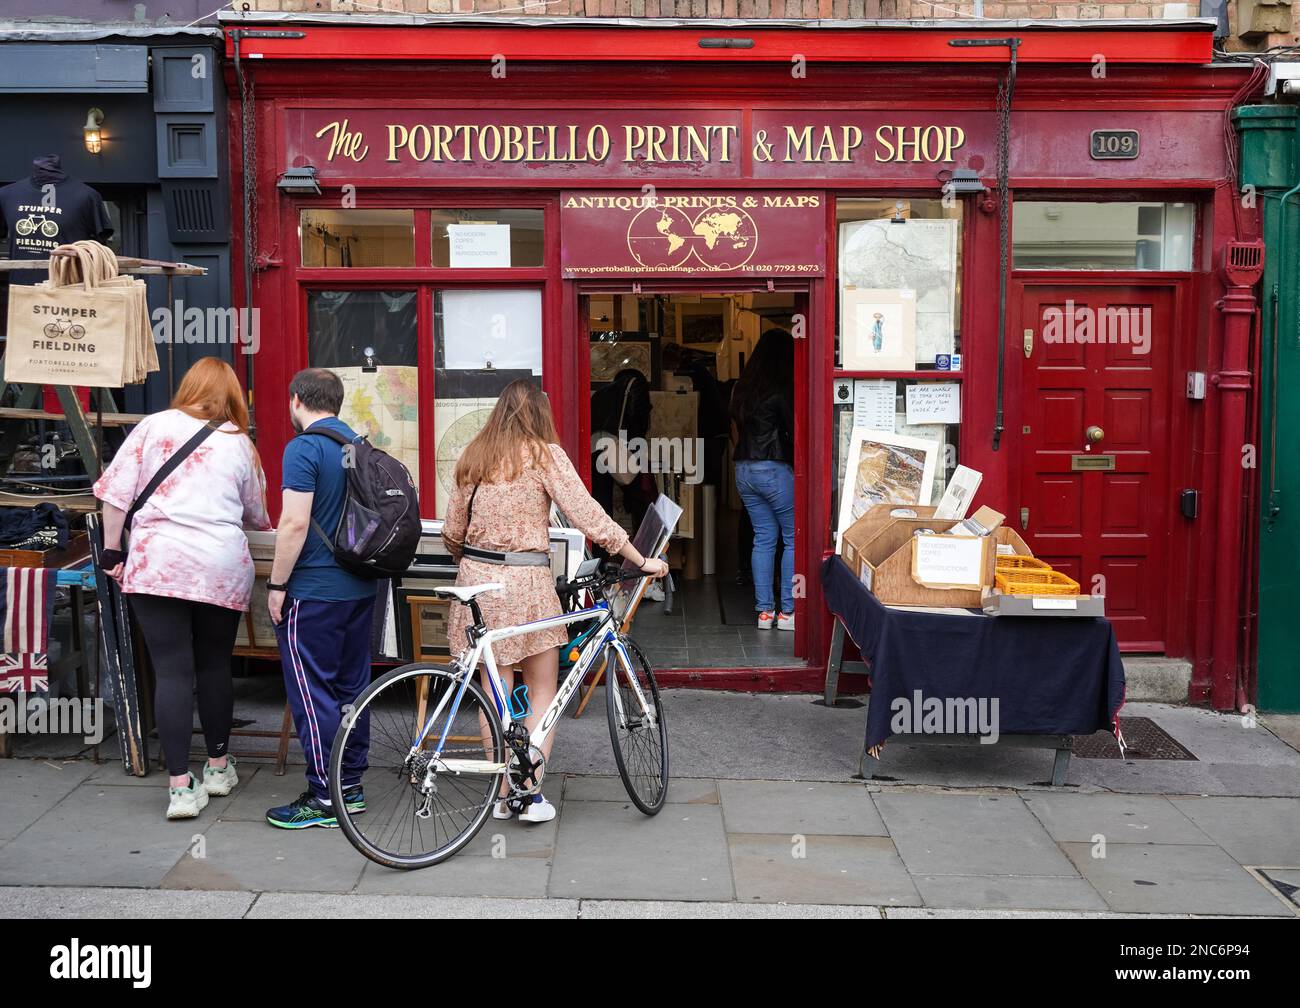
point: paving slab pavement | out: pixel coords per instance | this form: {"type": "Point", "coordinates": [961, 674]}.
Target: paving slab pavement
{"type": "Point", "coordinates": [1171, 878]}
{"type": "Point", "coordinates": [768, 826]}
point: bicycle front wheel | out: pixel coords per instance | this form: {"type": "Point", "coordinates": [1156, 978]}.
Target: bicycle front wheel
{"type": "Point", "coordinates": [636, 726]}
{"type": "Point", "coordinates": [389, 805]}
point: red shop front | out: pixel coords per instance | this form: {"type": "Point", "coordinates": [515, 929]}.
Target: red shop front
{"type": "Point", "coordinates": [436, 209]}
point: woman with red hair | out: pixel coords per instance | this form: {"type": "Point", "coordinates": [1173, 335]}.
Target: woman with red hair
{"type": "Point", "coordinates": [184, 564]}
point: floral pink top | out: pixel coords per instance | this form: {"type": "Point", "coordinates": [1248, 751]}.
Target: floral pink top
{"type": "Point", "coordinates": [187, 540]}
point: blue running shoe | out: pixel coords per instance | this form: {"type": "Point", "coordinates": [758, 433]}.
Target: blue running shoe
{"type": "Point", "coordinates": [355, 799]}
{"type": "Point", "coordinates": [304, 811]}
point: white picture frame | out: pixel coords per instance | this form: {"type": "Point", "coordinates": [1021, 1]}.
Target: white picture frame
{"type": "Point", "coordinates": [884, 468]}
{"type": "Point", "coordinates": [879, 329]}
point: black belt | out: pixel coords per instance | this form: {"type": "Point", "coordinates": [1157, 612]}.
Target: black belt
{"type": "Point", "coordinates": [507, 559]}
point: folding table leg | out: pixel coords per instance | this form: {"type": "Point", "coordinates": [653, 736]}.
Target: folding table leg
{"type": "Point", "coordinates": [833, 661]}
{"type": "Point", "coordinates": [1060, 767]}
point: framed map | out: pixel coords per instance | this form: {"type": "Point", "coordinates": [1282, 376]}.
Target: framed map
{"type": "Point", "coordinates": [884, 468]}
{"type": "Point", "coordinates": [919, 256]}
{"type": "Point", "coordinates": [455, 422]}
{"type": "Point", "coordinates": [383, 404]}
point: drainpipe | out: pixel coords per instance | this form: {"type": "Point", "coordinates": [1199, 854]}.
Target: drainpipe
{"type": "Point", "coordinates": [1233, 382]}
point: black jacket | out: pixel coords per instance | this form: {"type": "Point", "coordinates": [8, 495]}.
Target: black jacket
{"type": "Point", "coordinates": [767, 431]}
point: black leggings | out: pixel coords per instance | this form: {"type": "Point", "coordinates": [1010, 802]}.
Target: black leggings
{"type": "Point", "coordinates": [189, 642]}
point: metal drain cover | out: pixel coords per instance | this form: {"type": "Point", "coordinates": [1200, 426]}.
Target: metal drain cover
{"type": "Point", "coordinates": [1143, 740]}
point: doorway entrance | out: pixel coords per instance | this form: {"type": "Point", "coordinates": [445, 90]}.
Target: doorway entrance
{"type": "Point", "coordinates": [663, 367]}
{"type": "Point", "coordinates": [1095, 499]}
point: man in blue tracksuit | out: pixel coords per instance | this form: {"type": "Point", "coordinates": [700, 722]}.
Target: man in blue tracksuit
{"type": "Point", "coordinates": [322, 613]}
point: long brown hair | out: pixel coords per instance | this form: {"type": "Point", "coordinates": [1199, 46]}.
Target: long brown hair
{"type": "Point", "coordinates": [520, 428]}
{"type": "Point", "coordinates": [210, 391]}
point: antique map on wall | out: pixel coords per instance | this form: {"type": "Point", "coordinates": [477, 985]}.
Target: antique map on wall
{"type": "Point", "coordinates": [455, 422]}
{"type": "Point", "coordinates": [920, 255]}
{"type": "Point", "coordinates": [384, 406]}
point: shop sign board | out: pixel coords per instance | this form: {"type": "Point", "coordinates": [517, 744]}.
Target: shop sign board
{"type": "Point", "coordinates": [692, 233]}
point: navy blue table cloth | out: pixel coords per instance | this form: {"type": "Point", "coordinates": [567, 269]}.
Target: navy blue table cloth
{"type": "Point", "coordinates": [1051, 675]}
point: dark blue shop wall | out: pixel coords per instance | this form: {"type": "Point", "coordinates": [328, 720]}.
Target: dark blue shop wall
{"type": "Point", "coordinates": [128, 166]}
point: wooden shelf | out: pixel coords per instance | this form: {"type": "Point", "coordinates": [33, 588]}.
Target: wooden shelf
{"type": "Point", "coordinates": [82, 503]}
{"type": "Point", "coordinates": [110, 419]}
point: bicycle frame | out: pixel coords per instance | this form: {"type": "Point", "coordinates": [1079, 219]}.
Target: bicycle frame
{"type": "Point", "coordinates": [469, 660]}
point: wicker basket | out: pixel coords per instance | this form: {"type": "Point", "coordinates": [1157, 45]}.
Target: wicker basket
{"type": "Point", "coordinates": [1035, 582]}
{"type": "Point", "coordinates": [1019, 562]}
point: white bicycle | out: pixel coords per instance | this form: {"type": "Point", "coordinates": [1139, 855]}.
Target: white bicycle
{"type": "Point", "coordinates": [440, 744]}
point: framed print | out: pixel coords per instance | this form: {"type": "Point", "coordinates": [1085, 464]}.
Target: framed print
{"type": "Point", "coordinates": [429, 617]}
{"type": "Point", "coordinates": [879, 329]}
{"type": "Point", "coordinates": [884, 468]}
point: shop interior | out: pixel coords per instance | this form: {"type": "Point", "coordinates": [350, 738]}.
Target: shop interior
{"type": "Point", "coordinates": [690, 349]}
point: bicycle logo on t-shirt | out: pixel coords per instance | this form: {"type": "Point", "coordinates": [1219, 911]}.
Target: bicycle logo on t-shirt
{"type": "Point", "coordinates": [34, 222]}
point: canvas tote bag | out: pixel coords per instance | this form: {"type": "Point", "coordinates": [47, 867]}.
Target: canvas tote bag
{"type": "Point", "coordinates": [82, 326]}
{"type": "Point", "coordinates": [141, 356]}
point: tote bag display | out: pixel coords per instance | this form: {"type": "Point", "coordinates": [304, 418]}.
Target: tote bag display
{"type": "Point", "coordinates": [85, 325]}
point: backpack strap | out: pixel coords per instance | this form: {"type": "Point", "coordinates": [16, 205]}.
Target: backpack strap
{"type": "Point", "coordinates": [165, 470]}
{"type": "Point", "coordinates": [338, 439]}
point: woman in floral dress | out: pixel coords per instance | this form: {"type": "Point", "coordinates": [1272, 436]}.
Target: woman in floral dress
{"type": "Point", "coordinates": [506, 481]}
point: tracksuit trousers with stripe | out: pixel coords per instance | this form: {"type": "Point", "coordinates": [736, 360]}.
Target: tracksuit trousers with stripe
{"type": "Point", "coordinates": [325, 652]}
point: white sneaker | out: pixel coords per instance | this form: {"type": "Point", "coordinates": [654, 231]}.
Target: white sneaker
{"type": "Point", "coordinates": [765, 620]}
{"type": "Point", "coordinates": [220, 781]}
{"type": "Point", "coordinates": [186, 802]}
{"type": "Point", "coordinates": [785, 621]}
{"type": "Point", "coordinates": [539, 811]}
{"type": "Point", "coordinates": [501, 810]}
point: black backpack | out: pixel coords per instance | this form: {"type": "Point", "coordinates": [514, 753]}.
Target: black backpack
{"type": "Point", "coordinates": [379, 527]}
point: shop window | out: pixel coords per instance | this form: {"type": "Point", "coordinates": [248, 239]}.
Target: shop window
{"type": "Point", "coordinates": [925, 422]}
{"type": "Point", "coordinates": [483, 340]}
{"type": "Point", "coordinates": [368, 338]}
{"type": "Point", "coordinates": [1048, 234]}
{"type": "Point", "coordinates": [899, 286]}
{"type": "Point", "coordinates": [357, 238]}
{"type": "Point", "coordinates": [487, 238]}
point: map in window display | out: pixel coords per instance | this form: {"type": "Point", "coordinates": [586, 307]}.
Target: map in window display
{"type": "Point", "coordinates": [917, 255]}
{"type": "Point", "coordinates": [456, 422]}
{"type": "Point", "coordinates": [383, 404]}
{"type": "Point", "coordinates": [720, 238]}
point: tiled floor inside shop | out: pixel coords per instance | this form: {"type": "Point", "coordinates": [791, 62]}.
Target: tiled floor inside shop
{"type": "Point", "coordinates": [711, 625]}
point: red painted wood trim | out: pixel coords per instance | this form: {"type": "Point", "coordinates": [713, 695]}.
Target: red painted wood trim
{"type": "Point", "coordinates": [1182, 44]}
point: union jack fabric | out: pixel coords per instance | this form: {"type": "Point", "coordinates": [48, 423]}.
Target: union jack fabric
{"type": "Point", "coordinates": [24, 673]}
{"type": "Point", "coordinates": [27, 605]}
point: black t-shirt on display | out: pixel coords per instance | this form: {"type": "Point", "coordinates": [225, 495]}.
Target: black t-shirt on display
{"type": "Point", "coordinates": [38, 216]}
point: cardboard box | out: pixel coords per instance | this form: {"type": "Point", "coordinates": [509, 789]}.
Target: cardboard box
{"type": "Point", "coordinates": [879, 549]}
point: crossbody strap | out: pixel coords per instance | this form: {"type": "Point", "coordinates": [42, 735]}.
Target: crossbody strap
{"type": "Point", "coordinates": [165, 470]}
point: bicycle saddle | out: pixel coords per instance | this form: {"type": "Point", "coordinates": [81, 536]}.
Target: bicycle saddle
{"type": "Point", "coordinates": [467, 592]}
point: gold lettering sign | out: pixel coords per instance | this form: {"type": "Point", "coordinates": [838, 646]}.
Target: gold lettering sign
{"type": "Point", "coordinates": [642, 143]}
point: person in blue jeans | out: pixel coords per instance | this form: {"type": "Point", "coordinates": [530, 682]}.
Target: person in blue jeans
{"type": "Point", "coordinates": [762, 414]}
{"type": "Point", "coordinates": [322, 613]}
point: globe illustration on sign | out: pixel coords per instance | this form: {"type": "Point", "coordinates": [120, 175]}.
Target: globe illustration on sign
{"type": "Point", "coordinates": [721, 238]}
{"type": "Point", "coordinates": [726, 238]}
{"type": "Point", "coordinates": [660, 236]}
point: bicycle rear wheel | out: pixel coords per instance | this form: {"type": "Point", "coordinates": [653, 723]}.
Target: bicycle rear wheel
{"type": "Point", "coordinates": [396, 822]}
{"type": "Point", "coordinates": [636, 726]}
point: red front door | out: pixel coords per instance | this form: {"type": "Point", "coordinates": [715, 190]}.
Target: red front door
{"type": "Point", "coordinates": [1094, 408]}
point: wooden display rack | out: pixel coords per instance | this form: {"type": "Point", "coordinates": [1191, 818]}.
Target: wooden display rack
{"type": "Point", "coordinates": [90, 444]}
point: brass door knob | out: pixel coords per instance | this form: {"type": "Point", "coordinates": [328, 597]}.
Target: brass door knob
{"type": "Point", "coordinates": [1094, 434]}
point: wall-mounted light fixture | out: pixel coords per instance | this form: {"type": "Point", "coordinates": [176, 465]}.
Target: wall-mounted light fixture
{"type": "Point", "coordinates": [94, 130]}
{"type": "Point", "coordinates": [299, 182]}
{"type": "Point", "coordinates": [965, 181]}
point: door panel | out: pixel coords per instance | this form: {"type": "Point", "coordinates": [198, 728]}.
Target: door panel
{"type": "Point", "coordinates": [1099, 363]}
